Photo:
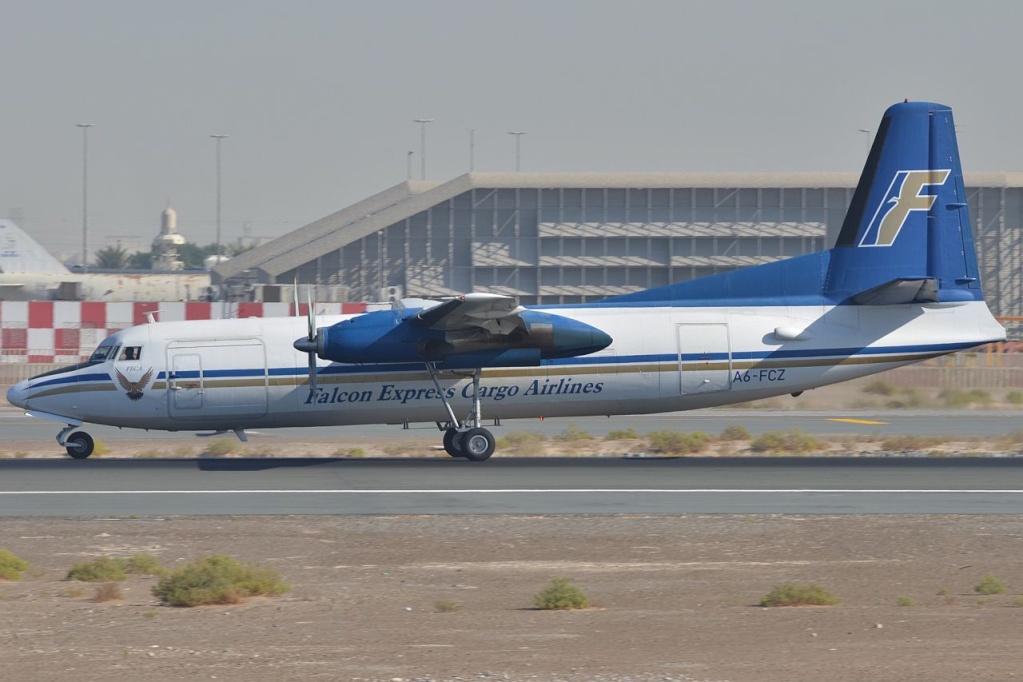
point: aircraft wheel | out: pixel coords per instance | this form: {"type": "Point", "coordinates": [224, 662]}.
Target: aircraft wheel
{"type": "Point", "coordinates": [478, 444]}
{"type": "Point", "coordinates": [80, 445]}
{"type": "Point", "coordinates": [453, 443]}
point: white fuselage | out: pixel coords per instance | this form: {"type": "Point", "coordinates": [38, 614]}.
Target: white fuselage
{"type": "Point", "coordinates": [237, 374]}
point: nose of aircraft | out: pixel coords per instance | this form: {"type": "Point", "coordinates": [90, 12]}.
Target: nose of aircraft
{"type": "Point", "coordinates": [17, 394]}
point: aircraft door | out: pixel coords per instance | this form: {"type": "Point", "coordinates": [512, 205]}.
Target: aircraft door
{"type": "Point", "coordinates": [704, 358]}
{"type": "Point", "coordinates": [217, 379]}
{"type": "Point", "coordinates": [185, 383]}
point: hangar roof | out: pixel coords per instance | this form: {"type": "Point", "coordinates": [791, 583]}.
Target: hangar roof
{"type": "Point", "coordinates": [401, 201]}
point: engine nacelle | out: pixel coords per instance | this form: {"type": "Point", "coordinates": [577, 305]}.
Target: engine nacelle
{"type": "Point", "coordinates": [388, 336]}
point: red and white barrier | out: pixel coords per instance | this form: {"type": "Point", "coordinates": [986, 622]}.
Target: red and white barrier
{"type": "Point", "coordinates": [65, 331]}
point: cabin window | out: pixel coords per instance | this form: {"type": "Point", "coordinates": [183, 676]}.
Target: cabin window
{"type": "Point", "coordinates": [131, 353]}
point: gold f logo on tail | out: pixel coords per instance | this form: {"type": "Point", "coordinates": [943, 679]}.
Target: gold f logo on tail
{"type": "Point", "coordinates": [903, 197]}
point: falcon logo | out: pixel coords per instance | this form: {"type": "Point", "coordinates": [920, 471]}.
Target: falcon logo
{"type": "Point", "coordinates": [903, 197]}
{"type": "Point", "coordinates": [134, 388]}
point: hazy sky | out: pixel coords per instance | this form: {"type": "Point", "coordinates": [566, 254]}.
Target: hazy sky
{"type": "Point", "coordinates": [318, 97]}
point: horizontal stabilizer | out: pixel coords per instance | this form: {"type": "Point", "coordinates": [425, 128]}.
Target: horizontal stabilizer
{"type": "Point", "coordinates": [897, 291]}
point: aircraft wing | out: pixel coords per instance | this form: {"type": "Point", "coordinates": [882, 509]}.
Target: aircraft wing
{"type": "Point", "coordinates": [493, 312]}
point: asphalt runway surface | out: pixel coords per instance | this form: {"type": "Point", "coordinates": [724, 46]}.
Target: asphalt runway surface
{"type": "Point", "coordinates": [14, 425]}
{"type": "Point", "coordinates": [828, 486]}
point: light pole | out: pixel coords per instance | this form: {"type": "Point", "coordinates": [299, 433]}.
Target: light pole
{"type": "Point", "coordinates": [219, 139]}
{"type": "Point", "coordinates": [408, 164]}
{"type": "Point", "coordinates": [472, 149]}
{"type": "Point", "coordinates": [518, 148]}
{"type": "Point", "coordinates": [866, 132]}
{"type": "Point", "coordinates": [85, 194]}
{"type": "Point", "coordinates": [422, 145]}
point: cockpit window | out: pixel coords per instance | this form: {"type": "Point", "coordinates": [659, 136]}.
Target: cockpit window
{"type": "Point", "coordinates": [104, 352]}
{"type": "Point", "coordinates": [131, 353]}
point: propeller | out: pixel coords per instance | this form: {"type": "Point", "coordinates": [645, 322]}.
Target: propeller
{"type": "Point", "coordinates": [310, 343]}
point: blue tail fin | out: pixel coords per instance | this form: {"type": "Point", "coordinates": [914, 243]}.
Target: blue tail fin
{"type": "Point", "coordinates": [906, 237]}
{"type": "Point", "coordinates": [908, 221]}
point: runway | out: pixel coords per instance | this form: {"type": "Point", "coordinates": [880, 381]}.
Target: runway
{"type": "Point", "coordinates": [828, 486]}
{"type": "Point", "coordinates": [15, 426]}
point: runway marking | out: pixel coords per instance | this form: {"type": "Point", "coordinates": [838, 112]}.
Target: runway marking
{"type": "Point", "coordinates": [520, 491]}
{"type": "Point", "coordinates": [848, 420]}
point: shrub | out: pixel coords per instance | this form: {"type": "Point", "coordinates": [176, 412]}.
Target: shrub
{"type": "Point", "coordinates": [217, 579]}
{"type": "Point", "coordinates": [220, 447]}
{"type": "Point", "coordinates": [953, 397]}
{"type": "Point", "coordinates": [521, 442]}
{"type": "Point", "coordinates": [735, 432]}
{"type": "Point", "coordinates": [11, 566]}
{"type": "Point", "coordinates": [110, 569]}
{"type": "Point", "coordinates": [143, 564]}
{"type": "Point", "coordinates": [790, 442]}
{"type": "Point", "coordinates": [1014, 398]}
{"type": "Point", "coordinates": [103, 570]}
{"type": "Point", "coordinates": [901, 443]}
{"type": "Point", "coordinates": [446, 606]}
{"type": "Point", "coordinates": [351, 453]}
{"type": "Point", "coordinates": [571, 434]}
{"type": "Point", "coordinates": [107, 592]}
{"type": "Point", "coordinates": [561, 594]}
{"type": "Point", "coordinates": [798, 594]}
{"type": "Point", "coordinates": [879, 387]}
{"type": "Point", "coordinates": [621, 434]}
{"type": "Point", "coordinates": [989, 584]}
{"type": "Point", "coordinates": [678, 443]}
{"type": "Point", "coordinates": [99, 448]}
{"type": "Point", "coordinates": [1017, 602]}
{"type": "Point", "coordinates": [906, 601]}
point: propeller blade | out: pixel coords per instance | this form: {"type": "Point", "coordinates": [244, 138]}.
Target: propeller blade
{"type": "Point", "coordinates": [313, 333]}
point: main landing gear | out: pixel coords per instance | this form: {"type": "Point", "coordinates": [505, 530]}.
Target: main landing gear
{"type": "Point", "coordinates": [467, 438]}
{"type": "Point", "coordinates": [79, 445]}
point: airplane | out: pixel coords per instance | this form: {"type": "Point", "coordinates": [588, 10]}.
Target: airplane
{"type": "Point", "coordinates": [28, 272]}
{"type": "Point", "coordinates": [900, 286]}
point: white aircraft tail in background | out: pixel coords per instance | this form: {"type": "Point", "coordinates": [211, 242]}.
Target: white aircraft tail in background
{"type": "Point", "coordinates": [19, 253]}
{"type": "Point", "coordinates": [901, 285]}
{"type": "Point", "coordinates": [28, 272]}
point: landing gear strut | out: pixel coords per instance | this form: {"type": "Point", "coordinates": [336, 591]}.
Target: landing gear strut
{"type": "Point", "coordinates": [79, 445]}
{"type": "Point", "coordinates": [467, 438]}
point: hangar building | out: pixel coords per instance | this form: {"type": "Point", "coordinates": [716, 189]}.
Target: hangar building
{"type": "Point", "coordinates": [576, 237]}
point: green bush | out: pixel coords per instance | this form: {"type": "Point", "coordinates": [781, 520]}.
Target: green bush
{"type": "Point", "coordinates": [110, 569]}
{"type": "Point", "coordinates": [735, 432]}
{"type": "Point", "coordinates": [217, 579]}
{"type": "Point", "coordinates": [220, 447]}
{"type": "Point", "coordinates": [879, 387]}
{"type": "Point", "coordinates": [903, 443]}
{"type": "Point", "coordinates": [143, 564]}
{"type": "Point", "coordinates": [521, 442]}
{"type": "Point", "coordinates": [621, 434]}
{"type": "Point", "coordinates": [561, 594]}
{"type": "Point", "coordinates": [572, 433]}
{"type": "Point", "coordinates": [989, 584]}
{"type": "Point", "coordinates": [799, 594]}
{"type": "Point", "coordinates": [794, 442]}
{"type": "Point", "coordinates": [446, 606]}
{"type": "Point", "coordinates": [953, 397]}
{"type": "Point", "coordinates": [11, 567]}
{"type": "Point", "coordinates": [678, 443]}
{"type": "Point", "coordinates": [906, 601]}
{"type": "Point", "coordinates": [1014, 398]}
{"type": "Point", "coordinates": [103, 570]}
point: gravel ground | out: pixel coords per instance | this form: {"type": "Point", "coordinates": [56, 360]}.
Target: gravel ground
{"type": "Point", "coordinates": [673, 598]}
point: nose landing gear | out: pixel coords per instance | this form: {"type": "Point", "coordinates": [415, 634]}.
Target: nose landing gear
{"type": "Point", "coordinates": [79, 445]}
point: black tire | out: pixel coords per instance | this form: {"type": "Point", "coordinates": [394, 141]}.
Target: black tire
{"type": "Point", "coordinates": [478, 444]}
{"type": "Point", "coordinates": [453, 443]}
{"type": "Point", "coordinates": [80, 445]}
